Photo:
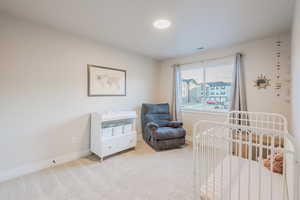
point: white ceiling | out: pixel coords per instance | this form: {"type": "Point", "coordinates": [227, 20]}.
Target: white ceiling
{"type": "Point", "coordinates": [127, 24]}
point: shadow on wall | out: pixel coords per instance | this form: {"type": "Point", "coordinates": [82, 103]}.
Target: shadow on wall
{"type": "Point", "coordinates": [72, 135]}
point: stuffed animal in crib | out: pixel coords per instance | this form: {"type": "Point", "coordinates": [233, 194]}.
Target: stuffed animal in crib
{"type": "Point", "coordinates": [277, 162]}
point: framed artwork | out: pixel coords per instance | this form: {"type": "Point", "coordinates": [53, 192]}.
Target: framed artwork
{"type": "Point", "coordinates": [106, 81]}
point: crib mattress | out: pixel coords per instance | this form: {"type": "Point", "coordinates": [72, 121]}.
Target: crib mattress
{"type": "Point", "coordinates": [262, 184]}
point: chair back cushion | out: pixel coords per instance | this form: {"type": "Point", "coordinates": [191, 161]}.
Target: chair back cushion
{"type": "Point", "coordinates": [158, 113]}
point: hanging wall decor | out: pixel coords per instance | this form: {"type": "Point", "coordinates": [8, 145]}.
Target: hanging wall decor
{"type": "Point", "coordinates": [262, 82]}
{"type": "Point", "coordinates": [278, 84]}
{"type": "Point", "coordinates": [106, 81]}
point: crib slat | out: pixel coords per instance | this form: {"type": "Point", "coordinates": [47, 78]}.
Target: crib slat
{"type": "Point", "coordinates": [230, 160]}
{"type": "Point", "coordinates": [240, 155]}
{"type": "Point", "coordinates": [272, 166]}
{"type": "Point", "coordinates": [260, 165]}
{"type": "Point", "coordinates": [213, 163]}
{"type": "Point", "coordinates": [207, 166]}
{"type": "Point", "coordinates": [249, 167]}
{"type": "Point", "coordinates": [284, 175]}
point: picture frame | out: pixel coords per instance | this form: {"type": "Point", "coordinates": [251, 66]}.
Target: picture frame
{"type": "Point", "coordinates": [105, 81]}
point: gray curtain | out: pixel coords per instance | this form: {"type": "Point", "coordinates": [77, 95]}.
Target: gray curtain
{"type": "Point", "coordinates": [238, 92]}
{"type": "Point", "coordinates": [176, 93]}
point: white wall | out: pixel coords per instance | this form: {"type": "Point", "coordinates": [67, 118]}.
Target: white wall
{"type": "Point", "coordinates": [296, 77]}
{"type": "Point", "coordinates": [258, 58]}
{"type": "Point", "coordinates": [296, 73]}
{"type": "Point", "coordinates": [43, 82]}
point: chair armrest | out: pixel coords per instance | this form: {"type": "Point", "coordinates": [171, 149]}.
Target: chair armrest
{"type": "Point", "coordinates": [175, 124]}
{"type": "Point", "coordinates": [152, 125]}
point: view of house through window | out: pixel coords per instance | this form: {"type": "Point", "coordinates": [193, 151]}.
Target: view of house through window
{"type": "Point", "coordinates": [206, 87]}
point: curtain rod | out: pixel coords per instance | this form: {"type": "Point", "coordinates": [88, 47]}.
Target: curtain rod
{"type": "Point", "coordinates": [205, 60]}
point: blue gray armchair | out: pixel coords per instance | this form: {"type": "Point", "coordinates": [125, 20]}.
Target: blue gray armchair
{"type": "Point", "coordinates": [158, 130]}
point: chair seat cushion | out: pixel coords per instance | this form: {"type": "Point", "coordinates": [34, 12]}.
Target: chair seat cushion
{"type": "Point", "coordinates": [164, 133]}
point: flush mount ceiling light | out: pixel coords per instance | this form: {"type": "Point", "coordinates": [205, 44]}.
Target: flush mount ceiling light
{"type": "Point", "coordinates": [162, 24]}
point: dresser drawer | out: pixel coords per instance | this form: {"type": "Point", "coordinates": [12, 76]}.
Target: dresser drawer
{"type": "Point", "coordinates": [107, 132]}
{"type": "Point", "coordinates": [117, 144]}
{"type": "Point", "coordinates": [127, 128]}
{"type": "Point", "coordinates": [118, 130]}
{"type": "Point", "coordinates": [108, 149]}
{"type": "Point", "coordinates": [127, 142]}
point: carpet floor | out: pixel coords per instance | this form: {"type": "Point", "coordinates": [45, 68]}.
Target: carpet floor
{"type": "Point", "coordinates": [139, 174]}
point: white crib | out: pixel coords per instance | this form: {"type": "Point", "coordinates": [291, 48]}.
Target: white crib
{"type": "Point", "coordinates": [228, 158]}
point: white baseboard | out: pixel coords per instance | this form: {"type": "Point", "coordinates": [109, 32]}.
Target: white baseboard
{"type": "Point", "coordinates": [39, 165]}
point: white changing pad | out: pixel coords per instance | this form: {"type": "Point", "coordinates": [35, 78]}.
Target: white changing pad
{"type": "Point", "coordinates": [269, 188]}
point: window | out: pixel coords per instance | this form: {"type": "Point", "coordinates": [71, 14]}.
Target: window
{"type": "Point", "coordinates": [207, 86]}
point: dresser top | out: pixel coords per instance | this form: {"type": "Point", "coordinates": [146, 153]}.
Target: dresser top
{"type": "Point", "coordinates": [108, 116]}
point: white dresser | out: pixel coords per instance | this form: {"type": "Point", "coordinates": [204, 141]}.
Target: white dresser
{"type": "Point", "coordinates": [112, 132]}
